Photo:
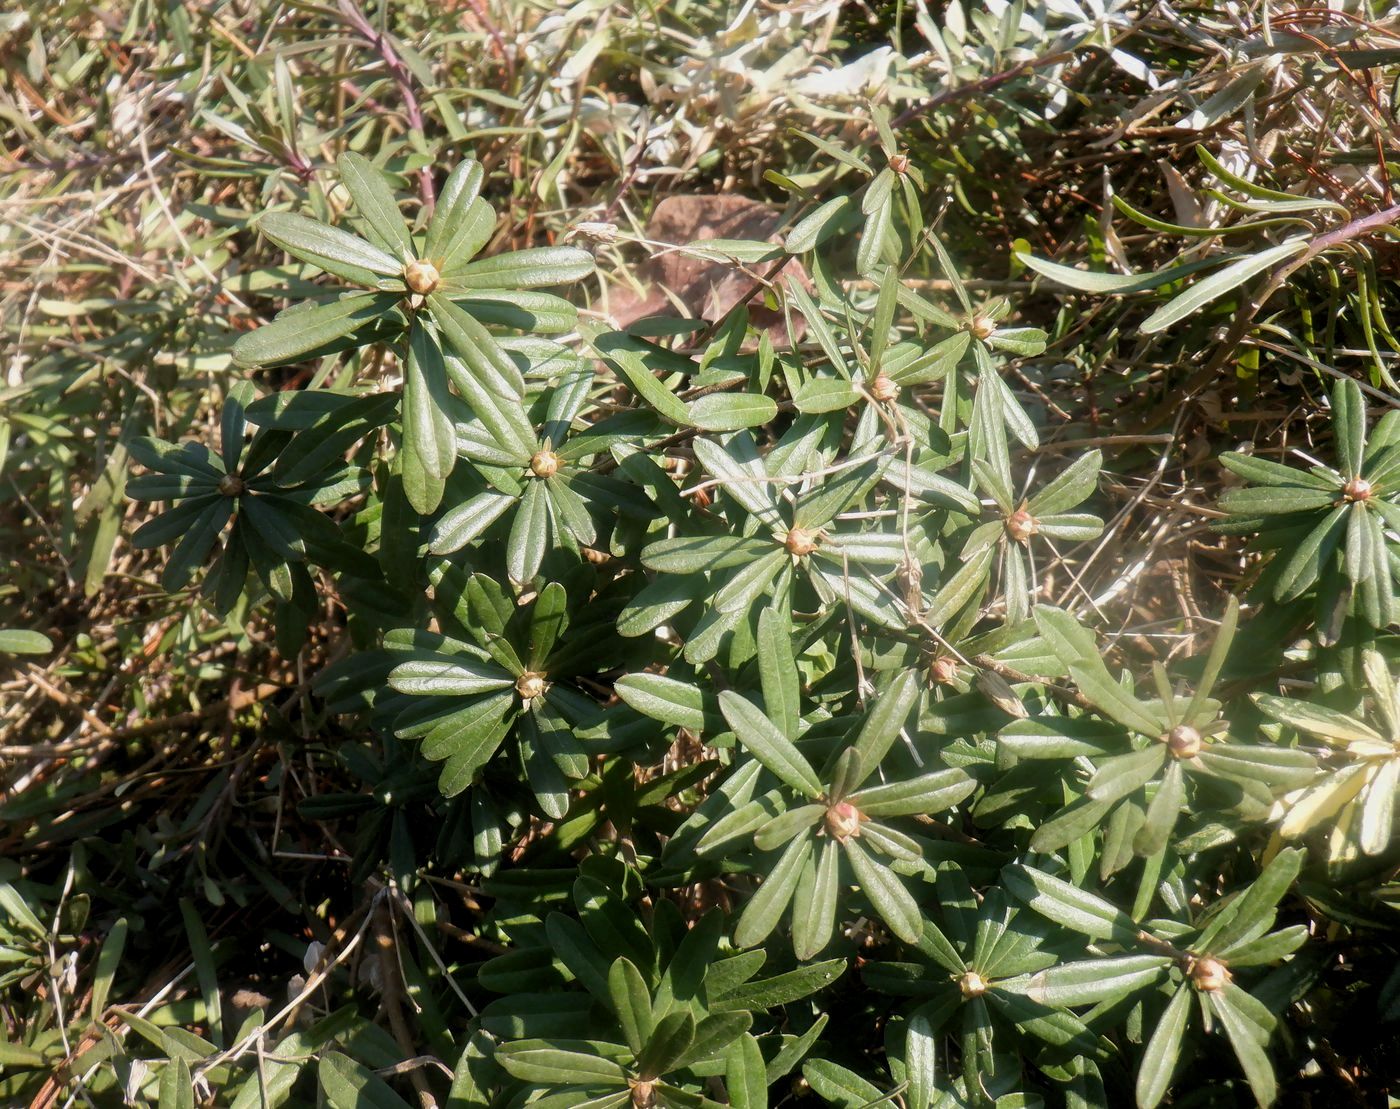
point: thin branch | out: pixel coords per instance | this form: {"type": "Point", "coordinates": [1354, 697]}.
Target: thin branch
{"type": "Point", "coordinates": [382, 45]}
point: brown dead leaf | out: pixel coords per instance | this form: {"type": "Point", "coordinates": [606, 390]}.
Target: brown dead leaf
{"type": "Point", "coordinates": [707, 290]}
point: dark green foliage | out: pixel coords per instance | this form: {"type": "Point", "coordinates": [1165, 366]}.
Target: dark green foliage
{"type": "Point", "coordinates": [877, 677]}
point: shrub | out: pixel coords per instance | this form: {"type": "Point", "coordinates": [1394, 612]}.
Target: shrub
{"type": "Point", "coordinates": [692, 711]}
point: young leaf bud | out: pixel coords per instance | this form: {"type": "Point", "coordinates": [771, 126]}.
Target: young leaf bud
{"type": "Point", "coordinates": [843, 820]}
{"type": "Point", "coordinates": [800, 542]}
{"type": "Point", "coordinates": [529, 685]}
{"type": "Point", "coordinates": [421, 276]}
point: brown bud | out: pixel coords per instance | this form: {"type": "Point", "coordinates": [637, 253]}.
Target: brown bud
{"type": "Point", "coordinates": [529, 685]}
{"type": "Point", "coordinates": [643, 1094]}
{"type": "Point", "coordinates": [843, 820]}
{"type": "Point", "coordinates": [231, 485]}
{"type": "Point", "coordinates": [943, 670]}
{"type": "Point", "coordinates": [972, 985]}
{"type": "Point", "coordinates": [1183, 741]}
{"type": "Point", "coordinates": [544, 464]}
{"type": "Point", "coordinates": [1209, 974]}
{"type": "Point", "coordinates": [1357, 489]}
{"type": "Point", "coordinates": [421, 276]}
{"type": "Point", "coordinates": [1021, 525]}
{"type": "Point", "coordinates": [899, 163]}
{"type": "Point", "coordinates": [800, 542]}
{"type": "Point", "coordinates": [883, 388]}
{"type": "Point", "coordinates": [982, 327]}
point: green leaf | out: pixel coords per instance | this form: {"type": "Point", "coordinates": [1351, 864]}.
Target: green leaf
{"type": "Point", "coordinates": [1256, 190]}
{"type": "Point", "coordinates": [1063, 903]}
{"type": "Point", "coordinates": [730, 411]}
{"type": "Point", "coordinates": [1303, 566]}
{"type": "Point", "coordinates": [878, 226]}
{"type": "Point", "coordinates": [818, 225]}
{"type": "Point", "coordinates": [884, 720]}
{"type": "Point", "coordinates": [375, 203]}
{"type": "Point", "coordinates": [631, 1001]}
{"type": "Point", "coordinates": [529, 269]}
{"type": "Point", "coordinates": [761, 738]}
{"type": "Point", "coordinates": [570, 942]}
{"type": "Point", "coordinates": [629, 357]}
{"type": "Point", "coordinates": [465, 740]}
{"type": "Point", "coordinates": [1254, 1060]}
{"type": "Point", "coordinates": [109, 961]}
{"type": "Point", "coordinates": [738, 469]}
{"type": "Point", "coordinates": [1119, 776]}
{"type": "Point", "coordinates": [447, 675]}
{"type": "Point", "coordinates": [529, 535]}
{"type": "Point", "coordinates": [1349, 425]}
{"type": "Point", "coordinates": [668, 1045]}
{"type": "Point", "coordinates": [468, 521]}
{"type": "Point", "coordinates": [1076, 482]}
{"type": "Point", "coordinates": [1378, 808]}
{"type": "Point", "coordinates": [1267, 949]}
{"type": "Point", "coordinates": [766, 907]}
{"type": "Point", "coordinates": [19, 641]}
{"type": "Point", "coordinates": [453, 206]}
{"type": "Point", "coordinates": [819, 507]}
{"type": "Point", "coordinates": [1218, 284]}
{"type": "Point", "coordinates": [748, 583]}
{"type": "Point", "coordinates": [1163, 811]}
{"type": "Point", "coordinates": [1253, 913]}
{"type": "Point", "coordinates": [714, 1034]}
{"type": "Point", "coordinates": [560, 1062]}
{"type": "Point", "coordinates": [845, 775]}
{"type": "Point", "coordinates": [894, 903]}
{"type": "Point", "coordinates": [817, 893]}
{"type": "Point", "coordinates": [823, 394]}
{"type": "Point", "coordinates": [777, 669]}
{"type": "Point", "coordinates": [890, 841]}
{"type": "Point", "coordinates": [1110, 698]}
{"type": "Point", "coordinates": [1057, 737]}
{"type": "Point", "coordinates": [298, 332]}
{"type": "Point", "coordinates": [934, 364]}
{"type": "Point", "coordinates": [921, 1057]}
{"type": "Point", "coordinates": [580, 1097]}
{"type": "Point", "coordinates": [686, 979]}
{"type": "Point", "coordinates": [333, 250]}
{"type": "Point", "coordinates": [694, 554]}
{"type": "Point", "coordinates": [1159, 1058]}
{"type": "Point", "coordinates": [1276, 500]}
{"type": "Point", "coordinates": [486, 364]}
{"type": "Point", "coordinates": [1076, 820]}
{"type": "Point", "coordinates": [1220, 649]}
{"type": "Point", "coordinates": [349, 1085]}
{"type": "Point", "coordinates": [955, 593]}
{"type": "Point", "coordinates": [1322, 801]}
{"type": "Point", "coordinates": [784, 826]}
{"type": "Point", "coordinates": [430, 445]}
{"type": "Point", "coordinates": [781, 989]}
{"type": "Point", "coordinates": [1090, 281]}
{"type": "Point", "coordinates": [838, 1086]}
{"type": "Point", "coordinates": [928, 793]}
{"type": "Point", "coordinates": [549, 618]}
{"type": "Point", "coordinates": [1091, 981]}
{"type": "Point", "coordinates": [176, 1088]}
{"type": "Point", "coordinates": [664, 698]}
{"type": "Point", "coordinates": [1261, 471]}
{"type": "Point", "coordinates": [1071, 641]}
{"type": "Point", "coordinates": [198, 541]}
{"type": "Point", "coordinates": [744, 1075]}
